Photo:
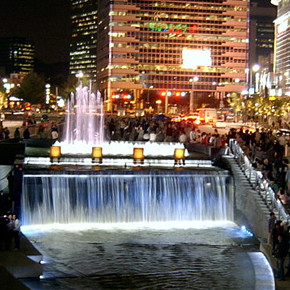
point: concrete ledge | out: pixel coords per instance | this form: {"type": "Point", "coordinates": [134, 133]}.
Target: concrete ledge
{"type": "Point", "coordinates": [8, 282]}
{"type": "Point", "coordinates": [20, 266]}
{"type": "Point", "coordinates": [264, 276]}
{"type": "Point", "coordinates": [24, 263]}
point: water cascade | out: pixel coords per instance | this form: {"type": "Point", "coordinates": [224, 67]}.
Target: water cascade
{"type": "Point", "coordinates": [109, 197]}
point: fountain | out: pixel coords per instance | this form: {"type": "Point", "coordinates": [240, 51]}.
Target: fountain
{"type": "Point", "coordinates": [138, 226]}
{"type": "Point", "coordinates": [84, 129]}
{"type": "Point", "coordinates": [85, 118]}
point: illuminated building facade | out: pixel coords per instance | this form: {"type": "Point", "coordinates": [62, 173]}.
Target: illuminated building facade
{"type": "Point", "coordinates": [84, 39]}
{"type": "Point", "coordinates": [262, 34]}
{"type": "Point", "coordinates": [282, 51]}
{"type": "Point", "coordinates": [141, 47]}
{"type": "Point", "coordinates": [262, 39]}
{"type": "Point", "coordinates": [16, 55]}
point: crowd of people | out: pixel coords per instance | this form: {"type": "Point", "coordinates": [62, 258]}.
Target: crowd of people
{"type": "Point", "coordinates": [267, 153]}
{"type": "Point", "coordinates": [279, 239]}
{"type": "Point", "coordinates": [9, 232]}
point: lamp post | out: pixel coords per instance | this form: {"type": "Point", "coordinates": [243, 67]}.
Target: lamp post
{"type": "Point", "coordinates": [255, 82]}
{"type": "Point", "coordinates": [148, 100]}
{"type": "Point", "coordinates": [191, 99]}
{"type": "Point", "coordinates": [158, 103]}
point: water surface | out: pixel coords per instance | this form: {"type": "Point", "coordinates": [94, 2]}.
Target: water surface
{"type": "Point", "coordinates": [156, 256]}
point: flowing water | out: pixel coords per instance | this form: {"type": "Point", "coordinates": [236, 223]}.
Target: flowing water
{"type": "Point", "coordinates": [136, 230]}
{"type": "Point", "coordinates": [84, 122]}
{"type": "Point", "coordinates": [108, 197]}
{"type": "Point", "coordinates": [152, 256]}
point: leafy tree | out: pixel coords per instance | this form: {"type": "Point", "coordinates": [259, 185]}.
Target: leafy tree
{"type": "Point", "coordinates": [68, 87]}
{"type": "Point", "coordinates": [2, 89]}
{"type": "Point", "coordinates": [32, 89]}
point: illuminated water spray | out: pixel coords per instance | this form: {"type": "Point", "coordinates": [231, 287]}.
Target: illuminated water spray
{"type": "Point", "coordinates": [84, 129]}
{"type": "Point", "coordinates": [85, 118]}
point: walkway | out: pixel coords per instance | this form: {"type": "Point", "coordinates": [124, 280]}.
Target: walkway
{"type": "Point", "coordinates": [257, 201]}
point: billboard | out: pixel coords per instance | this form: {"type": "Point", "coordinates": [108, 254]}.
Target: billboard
{"type": "Point", "coordinates": [193, 58]}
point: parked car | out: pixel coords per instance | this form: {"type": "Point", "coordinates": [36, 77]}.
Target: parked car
{"type": "Point", "coordinates": [219, 124]}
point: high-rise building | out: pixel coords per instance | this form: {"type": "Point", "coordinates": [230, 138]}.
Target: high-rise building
{"type": "Point", "coordinates": [198, 47]}
{"type": "Point", "coordinates": [83, 45]}
{"type": "Point", "coordinates": [262, 34]}
{"type": "Point", "coordinates": [282, 51]}
{"type": "Point", "coordinates": [261, 48]}
{"type": "Point", "coordinates": [16, 55]}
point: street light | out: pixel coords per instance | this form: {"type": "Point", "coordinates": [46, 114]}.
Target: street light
{"type": "Point", "coordinates": [255, 69]}
{"type": "Point", "coordinates": [191, 100]}
{"type": "Point", "coordinates": [148, 101]}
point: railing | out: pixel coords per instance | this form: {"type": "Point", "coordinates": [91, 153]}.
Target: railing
{"type": "Point", "coordinates": [258, 182]}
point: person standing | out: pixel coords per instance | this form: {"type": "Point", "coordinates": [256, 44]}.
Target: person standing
{"type": "Point", "coordinates": [271, 226]}
{"type": "Point", "coordinates": [281, 251]}
{"type": "Point", "coordinates": [277, 231]}
{"type": "Point", "coordinates": [16, 232]}
{"type": "Point", "coordinates": [6, 133]}
{"type": "Point", "coordinates": [17, 134]}
{"type": "Point", "coordinates": [9, 232]}
{"type": "Point", "coordinates": [54, 135]}
{"type": "Point", "coordinates": [26, 134]}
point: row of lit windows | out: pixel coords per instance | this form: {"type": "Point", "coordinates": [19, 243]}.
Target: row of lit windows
{"type": "Point", "coordinates": [182, 3]}
{"type": "Point", "coordinates": [195, 40]}
{"type": "Point", "coordinates": [217, 45]}
{"type": "Point", "coordinates": [164, 68]}
{"type": "Point", "coordinates": [165, 27]}
{"type": "Point", "coordinates": [191, 8]}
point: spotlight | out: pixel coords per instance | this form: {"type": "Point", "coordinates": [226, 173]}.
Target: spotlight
{"type": "Point", "coordinates": [97, 154]}
{"type": "Point", "coordinates": [179, 156]}
{"type": "Point", "coordinates": [55, 153]}
{"type": "Point", "coordinates": [138, 155]}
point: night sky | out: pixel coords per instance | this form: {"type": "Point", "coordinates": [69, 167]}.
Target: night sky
{"type": "Point", "coordinates": [46, 22]}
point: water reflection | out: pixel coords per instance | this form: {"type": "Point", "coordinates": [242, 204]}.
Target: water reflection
{"type": "Point", "coordinates": [145, 258]}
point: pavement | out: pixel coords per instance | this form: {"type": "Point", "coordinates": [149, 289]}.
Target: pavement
{"type": "Point", "coordinates": [23, 263]}
{"type": "Point", "coordinates": [267, 250]}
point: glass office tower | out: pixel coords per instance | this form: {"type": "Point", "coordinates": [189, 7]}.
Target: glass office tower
{"type": "Point", "coordinates": [158, 48]}
{"type": "Point", "coordinates": [282, 51]}
{"type": "Point", "coordinates": [16, 55]}
{"type": "Point", "coordinates": [84, 40]}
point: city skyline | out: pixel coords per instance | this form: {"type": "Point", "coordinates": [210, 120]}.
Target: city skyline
{"type": "Point", "coordinates": [33, 19]}
{"type": "Point", "coordinates": [46, 23]}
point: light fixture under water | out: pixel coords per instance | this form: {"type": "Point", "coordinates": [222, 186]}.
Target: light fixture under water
{"type": "Point", "coordinates": [179, 156]}
{"type": "Point", "coordinates": [97, 154]}
{"type": "Point", "coordinates": [138, 155]}
{"type": "Point", "coordinates": [55, 153]}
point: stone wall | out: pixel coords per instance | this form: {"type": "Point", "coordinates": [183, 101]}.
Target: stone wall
{"type": "Point", "coordinates": [250, 210]}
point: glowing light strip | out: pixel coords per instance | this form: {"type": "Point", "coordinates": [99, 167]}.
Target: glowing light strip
{"type": "Point", "coordinates": [115, 175]}
{"type": "Point", "coordinates": [36, 229]}
{"type": "Point", "coordinates": [117, 162]}
{"type": "Point", "coordinates": [263, 272]}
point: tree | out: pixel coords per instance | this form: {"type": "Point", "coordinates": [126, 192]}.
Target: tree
{"type": "Point", "coordinates": [32, 89]}
{"type": "Point", "coordinates": [68, 87]}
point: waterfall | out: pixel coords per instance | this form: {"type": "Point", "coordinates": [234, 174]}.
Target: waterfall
{"type": "Point", "coordinates": [119, 197]}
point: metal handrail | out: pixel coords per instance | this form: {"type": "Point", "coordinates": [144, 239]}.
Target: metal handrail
{"type": "Point", "coordinates": [258, 182]}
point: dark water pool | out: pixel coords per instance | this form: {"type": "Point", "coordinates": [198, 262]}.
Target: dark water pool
{"type": "Point", "coordinates": [155, 257]}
